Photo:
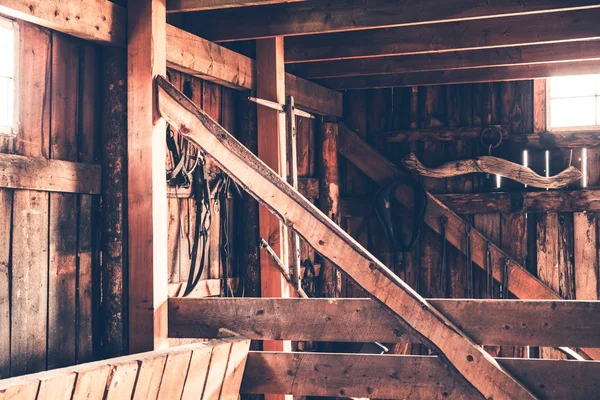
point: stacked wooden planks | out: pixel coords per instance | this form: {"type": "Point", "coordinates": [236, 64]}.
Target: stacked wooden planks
{"type": "Point", "coordinates": [209, 370]}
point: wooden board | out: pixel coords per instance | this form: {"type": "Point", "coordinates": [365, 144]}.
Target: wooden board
{"type": "Point", "coordinates": [163, 374]}
{"type": "Point", "coordinates": [175, 6]}
{"type": "Point", "coordinates": [489, 322]}
{"type": "Point", "coordinates": [332, 242]}
{"type": "Point", "coordinates": [98, 20]}
{"type": "Point", "coordinates": [400, 377]}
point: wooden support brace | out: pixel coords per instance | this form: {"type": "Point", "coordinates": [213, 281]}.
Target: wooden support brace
{"type": "Point", "coordinates": [414, 312]}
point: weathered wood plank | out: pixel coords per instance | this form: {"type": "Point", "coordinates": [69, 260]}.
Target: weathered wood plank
{"type": "Point", "coordinates": [91, 383]}
{"type": "Point", "coordinates": [174, 376]}
{"type": "Point", "coordinates": [235, 370]}
{"type": "Point", "coordinates": [98, 20]}
{"type": "Point", "coordinates": [415, 377]}
{"type": "Point", "coordinates": [60, 386]}
{"type": "Point", "coordinates": [334, 244]}
{"type": "Point", "coordinates": [462, 35]}
{"type": "Point", "coordinates": [474, 75]}
{"type": "Point", "coordinates": [6, 198]}
{"type": "Point", "coordinates": [312, 18]}
{"type": "Point", "coordinates": [489, 322]}
{"type": "Point", "coordinates": [216, 371]}
{"type": "Point", "coordinates": [196, 377]}
{"type": "Point", "coordinates": [176, 6]}
{"type": "Point", "coordinates": [196, 56]}
{"type": "Point", "coordinates": [146, 185]}
{"type": "Point", "coordinates": [38, 173]}
{"type": "Point", "coordinates": [450, 60]}
{"type": "Point", "coordinates": [149, 377]}
{"type": "Point", "coordinates": [121, 383]}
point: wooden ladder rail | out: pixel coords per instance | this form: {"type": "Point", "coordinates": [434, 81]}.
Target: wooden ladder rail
{"type": "Point", "coordinates": [521, 283]}
{"type": "Point", "coordinates": [461, 353]}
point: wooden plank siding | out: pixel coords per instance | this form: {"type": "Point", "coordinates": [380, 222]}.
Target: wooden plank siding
{"type": "Point", "coordinates": [47, 255]}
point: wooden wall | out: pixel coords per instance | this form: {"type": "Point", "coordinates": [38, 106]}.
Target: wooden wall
{"type": "Point", "coordinates": [561, 245]}
{"type": "Point", "coordinates": [48, 258]}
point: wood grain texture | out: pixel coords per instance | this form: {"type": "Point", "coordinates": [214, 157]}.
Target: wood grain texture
{"type": "Point", "coordinates": [235, 370]}
{"type": "Point", "coordinates": [37, 173]}
{"type": "Point", "coordinates": [5, 239]}
{"type": "Point", "coordinates": [197, 373]}
{"type": "Point", "coordinates": [146, 186]}
{"type": "Point", "coordinates": [98, 20]}
{"type": "Point", "coordinates": [392, 376]}
{"type": "Point", "coordinates": [312, 18]}
{"type": "Point", "coordinates": [336, 245]}
{"type": "Point", "coordinates": [174, 6]}
{"type": "Point", "coordinates": [488, 322]}
{"type": "Point", "coordinates": [216, 371]}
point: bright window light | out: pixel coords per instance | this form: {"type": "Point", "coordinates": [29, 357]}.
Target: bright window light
{"type": "Point", "coordinates": [9, 36]}
{"type": "Point", "coordinates": [573, 102]}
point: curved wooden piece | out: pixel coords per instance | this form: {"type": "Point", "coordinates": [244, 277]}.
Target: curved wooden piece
{"type": "Point", "coordinates": [497, 166]}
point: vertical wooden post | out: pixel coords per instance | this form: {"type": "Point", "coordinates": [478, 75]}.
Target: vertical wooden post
{"type": "Point", "coordinates": [272, 150]}
{"type": "Point", "coordinates": [329, 199]}
{"type": "Point", "coordinates": [147, 189]}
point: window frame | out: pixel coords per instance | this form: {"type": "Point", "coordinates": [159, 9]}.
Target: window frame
{"type": "Point", "coordinates": [563, 129]}
{"type": "Point", "coordinates": [13, 130]}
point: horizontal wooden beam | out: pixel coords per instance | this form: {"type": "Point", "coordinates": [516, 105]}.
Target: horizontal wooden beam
{"type": "Point", "coordinates": [491, 74]}
{"type": "Point", "coordinates": [463, 35]}
{"type": "Point", "coordinates": [98, 20]}
{"type": "Point", "coordinates": [488, 322]}
{"type": "Point", "coordinates": [403, 377]}
{"type": "Point", "coordinates": [339, 16]}
{"type": "Point", "coordinates": [462, 355]}
{"type": "Point", "coordinates": [204, 288]}
{"type": "Point", "coordinates": [557, 140]}
{"type": "Point", "coordinates": [175, 6]}
{"type": "Point", "coordinates": [196, 56]}
{"type": "Point", "coordinates": [586, 200]}
{"type": "Point", "coordinates": [494, 57]}
{"type": "Point", "coordinates": [32, 173]}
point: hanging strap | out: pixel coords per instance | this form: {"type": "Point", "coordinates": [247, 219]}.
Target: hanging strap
{"type": "Point", "coordinates": [505, 276]}
{"type": "Point", "coordinates": [383, 210]}
{"type": "Point", "coordinates": [489, 270]}
{"type": "Point", "coordinates": [443, 263]}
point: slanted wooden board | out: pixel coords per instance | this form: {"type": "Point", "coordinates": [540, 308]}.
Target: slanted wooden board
{"type": "Point", "coordinates": [432, 327]}
{"type": "Point", "coordinates": [488, 322]}
{"type": "Point", "coordinates": [401, 377]}
{"type": "Point", "coordinates": [162, 374]}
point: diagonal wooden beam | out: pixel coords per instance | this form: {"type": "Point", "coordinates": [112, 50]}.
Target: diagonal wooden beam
{"type": "Point", "coordinates": [101, 21]}
{"type": "Point", "coordinates": [489, 322]}
{"type": "Point", "coordinates": [339, 16]}
{"type": "Point", "coordinates": [491, 74]}
{"type": "Point", "coordinates": [451, 60]}
{"type": "Point", "coordinates": [418, 316]}
{"type": "Point", "coordinates": [474, 34]}
{"type": "Point", "coordinates": [196, 56]}
{"type": "Point", "coordinates": [175, 6]}
{"type": "Point", "coordinates": [404, 377]}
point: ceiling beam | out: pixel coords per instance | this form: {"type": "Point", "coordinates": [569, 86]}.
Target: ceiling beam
{"type": "Point", "coordinates": [492, 74]}
{"type": "Point", "coordinates": [339, 16]}
{"type": "Point", "coordinates": [502, 56]}
{"type": "Point", "coordinates": [175, 6]}
{"type": "Point", "coordinates": [98, 20]}
{"type": "Point", "coordinates": [452, 36]}
{"type": "Point", "coordinates": [403, 377]}
{"type": "Point", "coordinates": [197, 56]}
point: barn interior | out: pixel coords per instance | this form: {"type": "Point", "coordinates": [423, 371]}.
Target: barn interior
{"type": "Point", "coordinates": [215, 199]}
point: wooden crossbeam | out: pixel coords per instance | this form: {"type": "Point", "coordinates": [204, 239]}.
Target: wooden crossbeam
{"type": "Point", "coordinates": [178, 372]}
{"type": "Point", "coordinates": [196, 56]}
{"type": "Point", "coordinates": [584, 200]}
{"type": "Point", "coordinates": [176, 6]}
{"type": "Point", "coordinates": [339, 16]}
{"type": "Point", "coordinates": [33, 173]}
{"type": "Point", "coordinates": [492, 74]}
{"type": "Point", "coordinates": [402, 377]}
{"type": "Point", "coordinates": [418, 316]}
{"type": "Point", "coordinates": [101, 21]}
{"type": "Point", "coordinates": [488, 322]}
{"type": "Point", "coordinates": [450, 60]}
{"type": "Point", "coordinates": [463, 35]}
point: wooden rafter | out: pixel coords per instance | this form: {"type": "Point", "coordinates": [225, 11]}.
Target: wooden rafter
{"type": "Point", "coordinates": [402, 377]}
{"type": "Point", "coordinates": [418, 316]}
{"type": "Point", "coordinates": [175, 6]}
{"type": "Point", "coordinates": [463, 35]}
{"type": "Point", "coordinates": [196, 56]}
{"type": "Point", "coordinates": [491, 74]}
{"type": "Point", "coordinates": [321, 17]}
{"type": "Point", "coordinates": [450, 60]}
{"type": "Point", "coordinates": [488, 322]}
{"type": "Point", "coordinates": [99, 20]}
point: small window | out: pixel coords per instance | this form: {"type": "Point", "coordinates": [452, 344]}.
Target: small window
{"type": "Point", "coordinates": [573, 102]}
{"type": "Point", "coordinates": [9, 48]}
